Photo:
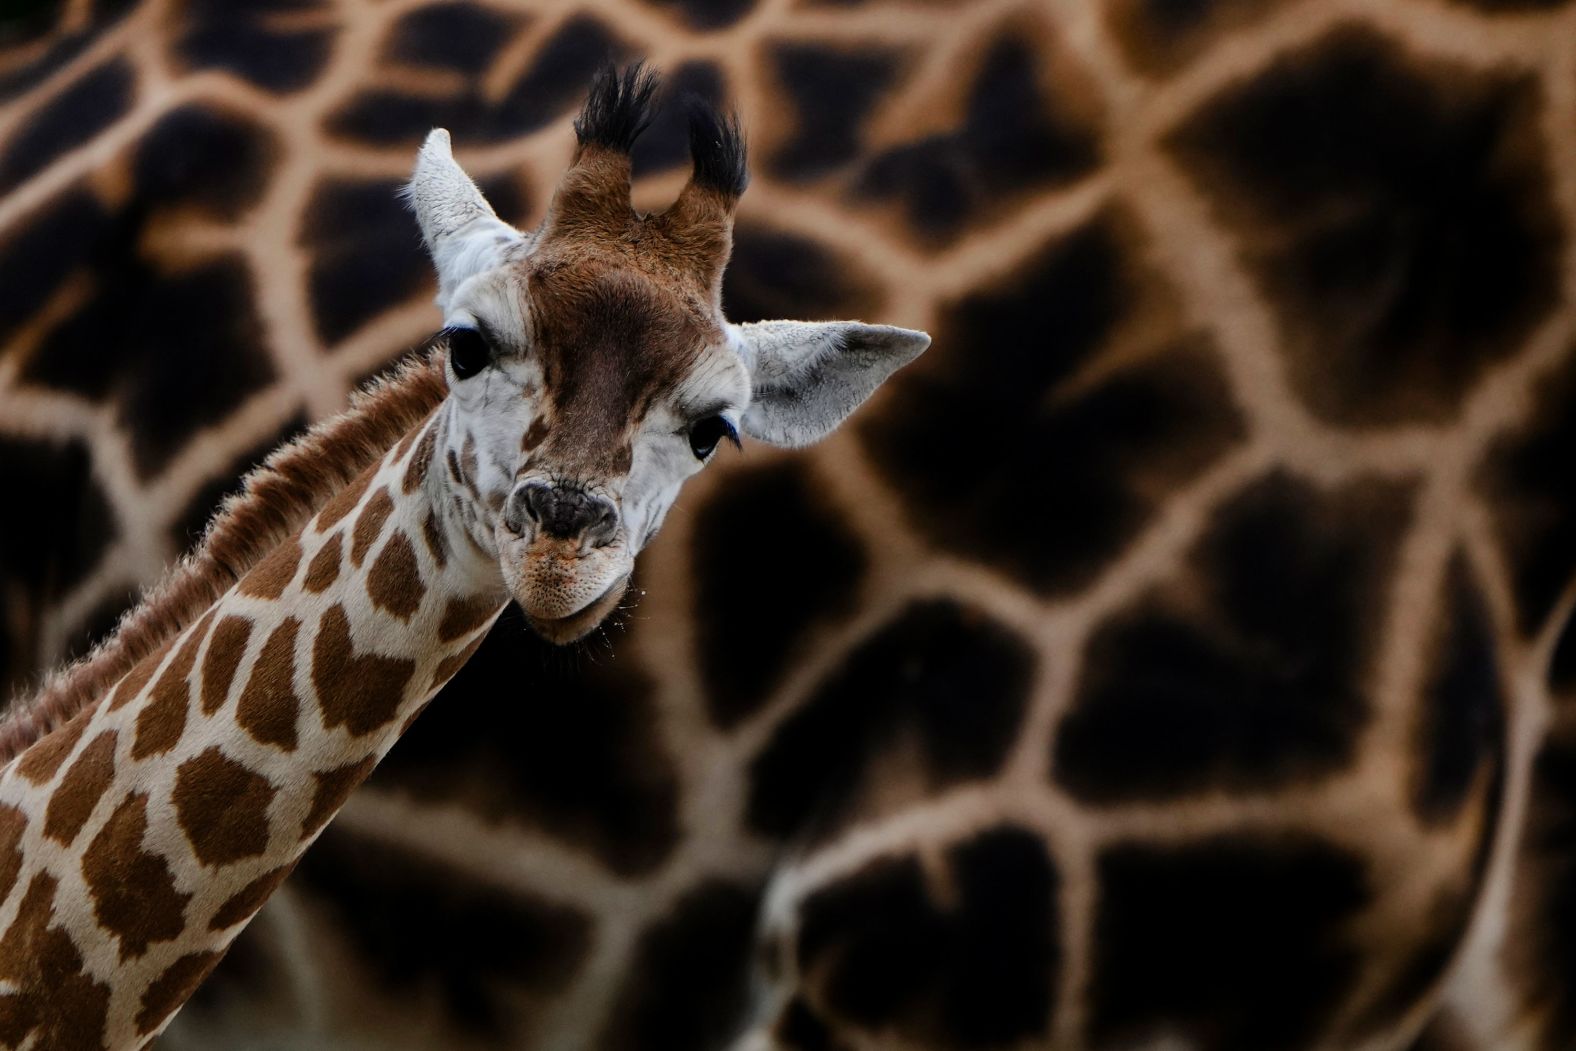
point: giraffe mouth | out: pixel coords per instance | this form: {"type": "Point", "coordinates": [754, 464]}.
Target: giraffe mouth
{"type": "Point", "coordinates": [564, 630]}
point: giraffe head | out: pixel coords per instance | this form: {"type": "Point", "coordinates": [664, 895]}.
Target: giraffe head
{"type": "Point", "coordinates": [591, 369]}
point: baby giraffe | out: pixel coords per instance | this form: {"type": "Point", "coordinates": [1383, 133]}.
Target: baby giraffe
{"type": "Point", "coordinates": [155, 795]}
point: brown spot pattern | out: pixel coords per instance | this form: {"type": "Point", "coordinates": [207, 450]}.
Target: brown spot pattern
{"type": "Point", "coordinates": [244, 903]}
{"type": "Point", "coordinates": [463, 616]}
{"type": "Point", "coordinates": [166, 993]}
{"type": "Point", "coordinates": [416, 469]}
{"type": "Point", "coordinates": [268, 706]}
{"type": "Point", "coordinates": [404, 443]}
{"type": "Point", "coordinates": [138, 677]}
{"type": "Point", "coordinates": [469, 463]}
{"type": "Point", "coordinates": [394, 582]}
{"type": "Point", "coordinates": [39, 763]}
{"type": "Point", "coordinates": [369, 523]}
{"type": "Point", "coordinates": [345, 500]}
{"type": "Point", "coordinates": [433, 535]}
{"type": "Point", "coordinates": [534, 434]}
{"type": "Point", "coordinates": [223, 660]}
{"type": "Point", "coordinates": [160, 723]}
{"type": "Point", "coordinates": [450, 666]}
{"type": "Point", "coordinates": [361, 693]}
{"type": "Point", "coordinates": [81, 789]}
{"type": "Point", "coordinates": [134, 895]}
{"type": "Point", "coordinates": [54, 1000]}
{"type": "Point", "coordinates": [333, 788]}
{"type": "Point", "coordinates": [222, 807]}
{"type": "Point", "coordinates": [273, 574]}
{"type": "Point", "coordinates": [324, 568]}
{"type": "Point", "coordinates": [12, 824]}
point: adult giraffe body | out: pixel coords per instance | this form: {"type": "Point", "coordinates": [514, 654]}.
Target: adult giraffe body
{"type": "Point", "coordinates": [153, 801]}
{"type": "Point", "coordinates": [1178, 656]}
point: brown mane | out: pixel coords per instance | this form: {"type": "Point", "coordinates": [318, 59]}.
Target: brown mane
{"type": "Point", "coordinates": [278, 497]}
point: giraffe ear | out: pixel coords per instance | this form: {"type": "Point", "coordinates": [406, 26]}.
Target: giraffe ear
{"type": "Point", "coordinates": [462, 233]}
{"type": "Point", "coordinates": [806, 377]}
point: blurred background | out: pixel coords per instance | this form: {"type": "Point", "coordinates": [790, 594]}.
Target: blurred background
{"type": "Point", "coordinates": [1220, 550]}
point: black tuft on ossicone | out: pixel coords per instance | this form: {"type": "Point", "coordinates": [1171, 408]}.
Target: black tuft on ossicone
{"type": "Point", "coordinates": [618, 108]}
{"type": "Point", "coordinates": [717, 149]}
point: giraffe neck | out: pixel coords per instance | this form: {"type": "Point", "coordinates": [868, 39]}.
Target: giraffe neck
{"type": "Point", "coordinates": [137, 840]}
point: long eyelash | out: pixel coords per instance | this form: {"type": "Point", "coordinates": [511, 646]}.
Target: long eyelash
{"type": "Point", "coordinates": [733, 433]}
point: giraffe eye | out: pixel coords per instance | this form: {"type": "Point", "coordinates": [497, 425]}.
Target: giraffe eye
{"type": "Point", "coordinates": [706, 433]}
{"type": "Point", "coordinates": [468, 352]}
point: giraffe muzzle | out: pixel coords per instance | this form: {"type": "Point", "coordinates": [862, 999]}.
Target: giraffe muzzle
{"type": "Point", "coordinates": [564, 588]}
{"type": "Point", "coordinates": [565, 630]}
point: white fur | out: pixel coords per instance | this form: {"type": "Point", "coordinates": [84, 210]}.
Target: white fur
{"type": "Point", "coordinates": [809, 375]}
{"type": "Point", "coordinates": [463, 234]}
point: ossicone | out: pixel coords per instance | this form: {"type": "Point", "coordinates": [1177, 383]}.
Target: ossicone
{"type": "Point", "coordinates": [618, 108]}
{"type": "Point", "coordinates": [717, 149]}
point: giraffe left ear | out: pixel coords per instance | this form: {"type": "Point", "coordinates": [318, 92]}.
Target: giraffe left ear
{"type": "Point", "coordinates": [463, 234]}
{"type": "Point", "coordinates": [807, 377]}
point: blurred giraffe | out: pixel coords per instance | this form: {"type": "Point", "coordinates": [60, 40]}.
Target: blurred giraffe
{"type": "Point", "coordinates": [1175, 657]}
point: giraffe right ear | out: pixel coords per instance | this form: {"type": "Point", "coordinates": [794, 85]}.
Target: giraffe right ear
{"type": "Point", "coordinates": [463, 234]}
{"type": "Point", "coordinates": [807, 376]}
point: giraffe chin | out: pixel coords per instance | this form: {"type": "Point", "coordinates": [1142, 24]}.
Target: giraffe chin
{"type": "Point", "coordinates": [564, 630]}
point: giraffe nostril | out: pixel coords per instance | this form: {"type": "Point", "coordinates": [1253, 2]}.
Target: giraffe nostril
{"type": "Point", "coordinates": [531, 497]}
{"type": "Point", "coordinates": [566, 513]}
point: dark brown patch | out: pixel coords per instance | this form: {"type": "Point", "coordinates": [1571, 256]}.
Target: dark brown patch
{"type": "Point", "coordinates": [469, 463]}
{"type": "Point", "coordinates": [80, 790]}
{"type": "Point", "coordinates": [244, 903]}
{"type": "Point", "coordinates": [463, 616]}
{"type": "Point", "coordinates": [1395, 214]}
{"type": "Point", "coordinates": [979, 970]}
{"type": "Point", "coordinates": [369, 523]}
{"type": "Point", "coordinates": [432, 533]}
{"type": "Point", "coordinates": [394, 582]}
{"type": "Point", "coordinates": [687, 982]}
{"type": "Point", "coordinates": [333, 788]}
{"type": "Point", "coordinates": [1126, 411]}
{"type": "Point", "coordinates": [404, 444]}
{"type": "Point", "coordinates": [12, 824]}
{"type": "Point", "coordinates": [41, 761]}
{"type": "Point", "coordinates": [223, 660]}
{"type": "Point", "coordinates": [420, 460]}
{"type": "Point", "coordinates": [274, 573]}
{"type": "Point", "coordinates": [166, 993]}
{"type": "Point", "coordinates": [478, 954]}
{"type": "Point", "coordinates": [534, 434]}
{"type": "Point", "coordinates": [361, 693]}
{"type": "Point", "coordinates": [345, 500]}
{"type": "Point", "coordinates": [1459, 727]}
{"type": "Point", "coordinates": [222, 807]}
{"type": "Point", "coordinates": [161, 722]}
{"type": "Point", "coordinates": [324, 568]}
{"type": "Point", "coordinates": [1214, 681]}
{"type": "Point", "coordinates": [1195, 941]}
{"type": "Point", "coordinates": [451, 665]}
{"type": "Point", "coordinates": [268, 706]}
{"type": "Point", "coordinates": [609, 339]}
{"type": "Point", "coordinates": [138, 677]}
{"type": "Point", "coordinates": [813, 578]}
{"type": "Point", "coordinates": [134, 895]}
{"type": "Point", "coordinates": [55, 1000]}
